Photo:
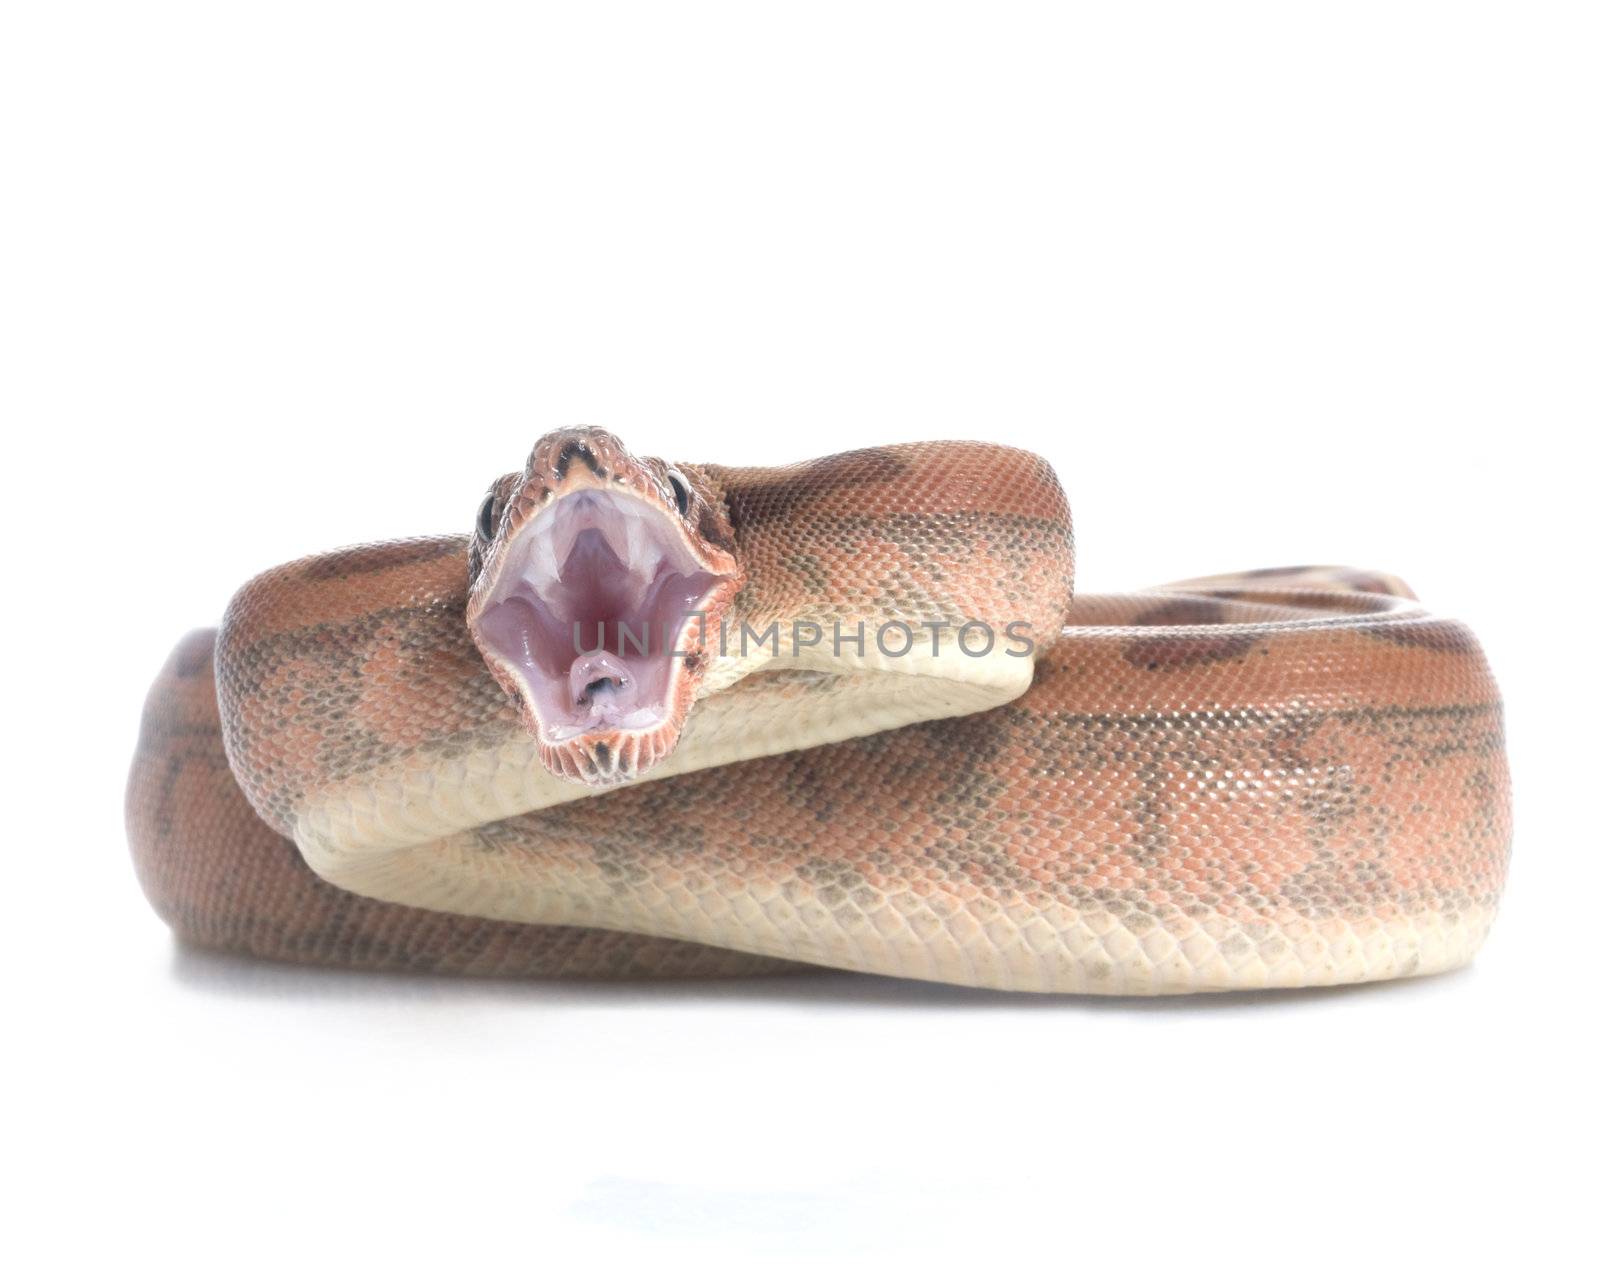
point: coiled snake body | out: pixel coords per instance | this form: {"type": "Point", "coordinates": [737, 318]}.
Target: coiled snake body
{"type": "Point", "coordinates": [868, 727]}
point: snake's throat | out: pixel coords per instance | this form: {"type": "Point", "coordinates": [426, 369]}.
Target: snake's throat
{"type": "Point", "coordinates": [591, 617]}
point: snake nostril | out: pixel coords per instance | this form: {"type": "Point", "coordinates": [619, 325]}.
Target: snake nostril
{"type": "Point", "coordinates": [577, 449]}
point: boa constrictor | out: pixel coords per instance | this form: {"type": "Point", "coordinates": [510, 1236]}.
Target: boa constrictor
{"type": "Point", "coordinates": [859, 721]}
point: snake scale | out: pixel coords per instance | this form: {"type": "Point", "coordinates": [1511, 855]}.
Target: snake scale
{"type": "Point", "coordinates": [664, 720]}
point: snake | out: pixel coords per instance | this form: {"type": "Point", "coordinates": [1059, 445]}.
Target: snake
{"type": "Point", "coordinates": [651, 719]}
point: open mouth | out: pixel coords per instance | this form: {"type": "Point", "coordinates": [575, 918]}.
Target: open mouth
{"type": "Point", "coordinates": [588, 610]}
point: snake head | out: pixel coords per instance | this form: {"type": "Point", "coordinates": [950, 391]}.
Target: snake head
{"type": "Point", "coordinates": [598, 580]}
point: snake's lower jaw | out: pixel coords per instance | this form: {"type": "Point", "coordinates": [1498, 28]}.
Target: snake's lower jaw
{"type": "Point", "coordinates": [602, 759]}
{"type": "Point", "coordinates": [625, 731]}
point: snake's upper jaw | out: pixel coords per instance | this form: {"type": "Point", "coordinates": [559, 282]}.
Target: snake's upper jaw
{"type": "Point", "coordinates": [595, 617]}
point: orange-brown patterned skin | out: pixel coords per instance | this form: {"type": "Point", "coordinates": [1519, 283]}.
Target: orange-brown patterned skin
{"type": "Point", "coordinates": [1276, 778]}
{"type": "Point", "coordinates": [222, 878]}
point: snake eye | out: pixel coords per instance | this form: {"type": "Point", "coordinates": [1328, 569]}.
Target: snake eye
{"type": "Point", "coordinates": [680, 492]}
{"type": "Point", "coordinates": [486, 517]}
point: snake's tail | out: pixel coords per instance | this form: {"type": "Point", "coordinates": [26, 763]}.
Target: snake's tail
{"type": "Point", "coordinates": [1336, 578]}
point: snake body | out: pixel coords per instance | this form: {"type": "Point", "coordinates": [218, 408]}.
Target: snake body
{"type": "Point", "coordinates": [1281, 778]}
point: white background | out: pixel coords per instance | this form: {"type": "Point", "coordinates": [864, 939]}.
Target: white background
{"type": "Point", "coordinates": [1269, 283]}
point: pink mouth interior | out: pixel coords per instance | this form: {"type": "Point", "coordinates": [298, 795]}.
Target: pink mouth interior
{"type": "Point", "coordinates": [588, 609]}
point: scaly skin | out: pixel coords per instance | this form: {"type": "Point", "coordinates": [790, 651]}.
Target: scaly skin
{"type": "Point", "coordinates": [1272, 779]}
